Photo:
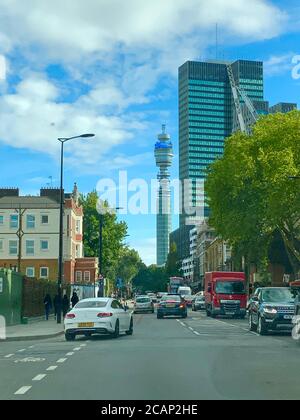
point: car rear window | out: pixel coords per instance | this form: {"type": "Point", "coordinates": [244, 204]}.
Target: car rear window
{"type": "Point", "coordinates": [91, 304]}
{"type": "Point", "coordinates": [143, 300]}
{"type": "Point", "coordinates": [172, 297]}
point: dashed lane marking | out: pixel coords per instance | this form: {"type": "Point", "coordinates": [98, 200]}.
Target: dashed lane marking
{"type": "Point", "coordinates": [77, 349]}
{"type": "Point", "coordinates": [61, 360]}
{"type": "Point", "coordinates": [70, 353]}
{"type": "Point", "coordinates": [51, 368]}
{"type": "Point", "coordinates": [39, 377]}
{"type": "Point", "coordinates": [8, 356]}
{"type": "Point", "coordinates": [21, 351]}
{"type": "Point", "coordinates": [23, 390]}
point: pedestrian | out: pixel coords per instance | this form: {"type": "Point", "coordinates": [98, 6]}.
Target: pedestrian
{"type": "Point", "coordinates": [56, 305]}
{"type": "Point", "coordinates": [48, 305]}
{"type": "Point", "coordinates": [65, 305]}
{"type": "Point", "coordinates": [74, 299]}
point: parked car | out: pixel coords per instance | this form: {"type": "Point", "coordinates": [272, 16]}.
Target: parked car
{"type": "Point", "coordinates": [199, 303]}
{"type": "Point", "coordinates": [272, 309]}
{"type": "Point", "coordinates": [172, 304]}
{"type": "Point", "coordinates": [143, 304]}
{"type": "Point", "coordinates": [98, 316]}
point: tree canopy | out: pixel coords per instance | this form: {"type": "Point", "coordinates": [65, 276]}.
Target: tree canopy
{"type": "Point", "coordinates": [250, 190]}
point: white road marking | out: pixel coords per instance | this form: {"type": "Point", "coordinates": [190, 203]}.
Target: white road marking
{"type": "Point", "coordinates": [70, 354]}
{"type": "Point", "coordinates": [190, 328]}
{"type": "Point", "coordinates": [8, 356]}
{"type": "Point", "coordinates": [61, 360]}
{"type": "Point", "coordinates": [21, 351]}
{"type": "Point", "coordinates": [83, 345]}
{"type": "Point", "coordinates": [195, 332]}
{"type": "Point", "coordinates": [31, 347]}
{"type": "Point", "coordinates": [50, 368]}
{"type": "Point", "coordinates": [77, 349]}
{"type": "Point", "coordinates": [39, 377]}
{"type": "Point", "coordinates": [23, 390]}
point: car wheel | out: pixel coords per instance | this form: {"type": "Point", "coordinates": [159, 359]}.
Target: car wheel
{"type": "Point", "coordinates": [252, 327]}
{"type": "Point", "coordinates": [261, 328]}
{"type": "Point", "coordinates": [70, 337]}
{"type": "Point", "coordinates": [159, 316]}
{"type": "Point", "coordinates": [130, 331]}
{"type": "Point", "coordinates": [117, 330]}
{"type": "Point", "coordinates": [88, 335]}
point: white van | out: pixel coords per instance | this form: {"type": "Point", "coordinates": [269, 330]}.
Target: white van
{"type": "Point", "coordinates": [184, 291]}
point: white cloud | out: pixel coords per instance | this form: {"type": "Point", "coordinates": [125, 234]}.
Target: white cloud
{"type": "Point", "coordinates": [118, 48]}
{"type": "Point", "coordinates": [278, 64]}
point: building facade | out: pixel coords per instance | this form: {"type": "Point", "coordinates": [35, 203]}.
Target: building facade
{"type": "Point", "coordinates": [29, 234]}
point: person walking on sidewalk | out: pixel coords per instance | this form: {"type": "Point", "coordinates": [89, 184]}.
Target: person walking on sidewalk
{"type": "Point", "coordinates": [56, 305]}
{"type": "Point", "coordinates": [65, 305]}
{"type": "Point", "coordinates": [48, 305]}
{"type": "Point", "coordinates": [74, 299]}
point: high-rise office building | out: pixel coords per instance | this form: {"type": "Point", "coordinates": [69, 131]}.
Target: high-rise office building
{"type": "Point", "coordinates": [163, 156]}
{"type": "Point", "coordinates": [210, 104]}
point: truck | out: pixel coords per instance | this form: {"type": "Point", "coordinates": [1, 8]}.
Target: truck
{"type": "Point", "coordinates": [174, 284]}
{"type": "Point", "coordinates": [225, 294]}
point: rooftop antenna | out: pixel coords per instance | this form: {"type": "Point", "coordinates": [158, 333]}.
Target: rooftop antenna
{"type": "Point", "coordinates": [217, 41]}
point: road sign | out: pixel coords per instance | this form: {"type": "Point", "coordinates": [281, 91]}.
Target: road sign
{"type": "Point", "coordinates": [119, 283]}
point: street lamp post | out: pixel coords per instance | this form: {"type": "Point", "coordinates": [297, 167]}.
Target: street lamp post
{"type": "Point", "coordinates": [61, 222]}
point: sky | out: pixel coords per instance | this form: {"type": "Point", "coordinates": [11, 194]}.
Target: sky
{"type": "Point", "coordinates": [110, 67]}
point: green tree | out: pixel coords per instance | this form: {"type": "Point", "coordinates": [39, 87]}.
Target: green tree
{"type": "Point", "coordinates": [151, 278]}
{"type": "Point", "coordinates": [250, 192]}
{"type": "Point", "coordinates": [128, 265]}
{"type": "Point", "coordinates": [173, 266]}
{"type": "Point", "coordinates": [114, 233]}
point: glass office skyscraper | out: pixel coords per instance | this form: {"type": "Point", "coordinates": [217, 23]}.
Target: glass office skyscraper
{"type": "Point", "coordinates": [207, 115]}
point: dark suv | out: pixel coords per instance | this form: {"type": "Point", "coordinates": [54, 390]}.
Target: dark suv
{"type": "Point", "coordinates": [272, 309]}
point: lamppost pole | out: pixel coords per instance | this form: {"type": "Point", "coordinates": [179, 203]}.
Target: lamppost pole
{"type": "Point", "coordinates": [61, 223]}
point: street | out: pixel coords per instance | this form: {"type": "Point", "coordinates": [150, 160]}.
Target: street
{"type": "Point", "coordinates": [169, 359]}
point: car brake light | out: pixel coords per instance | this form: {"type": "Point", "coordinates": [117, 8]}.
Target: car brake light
{"type": "Point", "coordinates": [104, 315]}
{"type": "Point", "coordinates": [181, 306]}
{"type": "Point", "coordinates": [70, 316]}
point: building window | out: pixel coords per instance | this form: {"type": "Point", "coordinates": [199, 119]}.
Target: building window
{"type": "Point", "coordinates": [13, 247]}
{"type": "Point", "coordinates": [1, 220]}
{"type": "Point", "coordinates": [78, 251]}
{"type": "Point", "coordinates": [1, 245]}
{"type": "Point", "coordinates": [29, 247]}
{"type": "Point", "coordinates": [78, 226]}
{"type": "Point", "coordinates": [30, 271]}
{"type": "Point", "coordinates": [30, 221]}
{"type": "Point", "coordinates": [44, 272]}
{"type": "Point", "coordinates": [44, 245]}
{"type": "Point", "coordinates": [87, 276]}
{"type": "Point", "coordinates": [14, 221]}
{"type": "Point", "coordinates": [45, 219]}
{"type": "Point", "coordinates": [78, 276]}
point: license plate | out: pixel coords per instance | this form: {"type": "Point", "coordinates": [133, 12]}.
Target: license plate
{"type": "Point", "coordinates": [230, 313]}
{"type": "Point", "coordinates": [288, 317]}
{"type": "Point", "coordinates": [170, 305]}
{"type": "Point", "coordinates": [86, 324]}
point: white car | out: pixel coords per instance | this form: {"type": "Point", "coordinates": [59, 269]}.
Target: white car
{"type": "Point", "coordinates": [98, 316]}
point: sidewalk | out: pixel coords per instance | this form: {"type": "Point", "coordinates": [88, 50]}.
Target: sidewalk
{"type": "Point", "coordinates": [39, 329]}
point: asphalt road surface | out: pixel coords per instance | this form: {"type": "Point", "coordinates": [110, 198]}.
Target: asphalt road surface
{"type": "Point", "coordinates": [169, 359]}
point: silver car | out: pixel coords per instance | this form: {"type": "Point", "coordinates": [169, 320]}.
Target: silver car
{"type": "Point", "coordinates": [143, 304]}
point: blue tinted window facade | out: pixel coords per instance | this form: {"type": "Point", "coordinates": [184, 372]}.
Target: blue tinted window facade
{"type": "Point", "coordinates": [207, 113]}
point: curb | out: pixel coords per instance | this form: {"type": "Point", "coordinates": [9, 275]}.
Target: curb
{"type": "Point", "coordinates": [31, 338]}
